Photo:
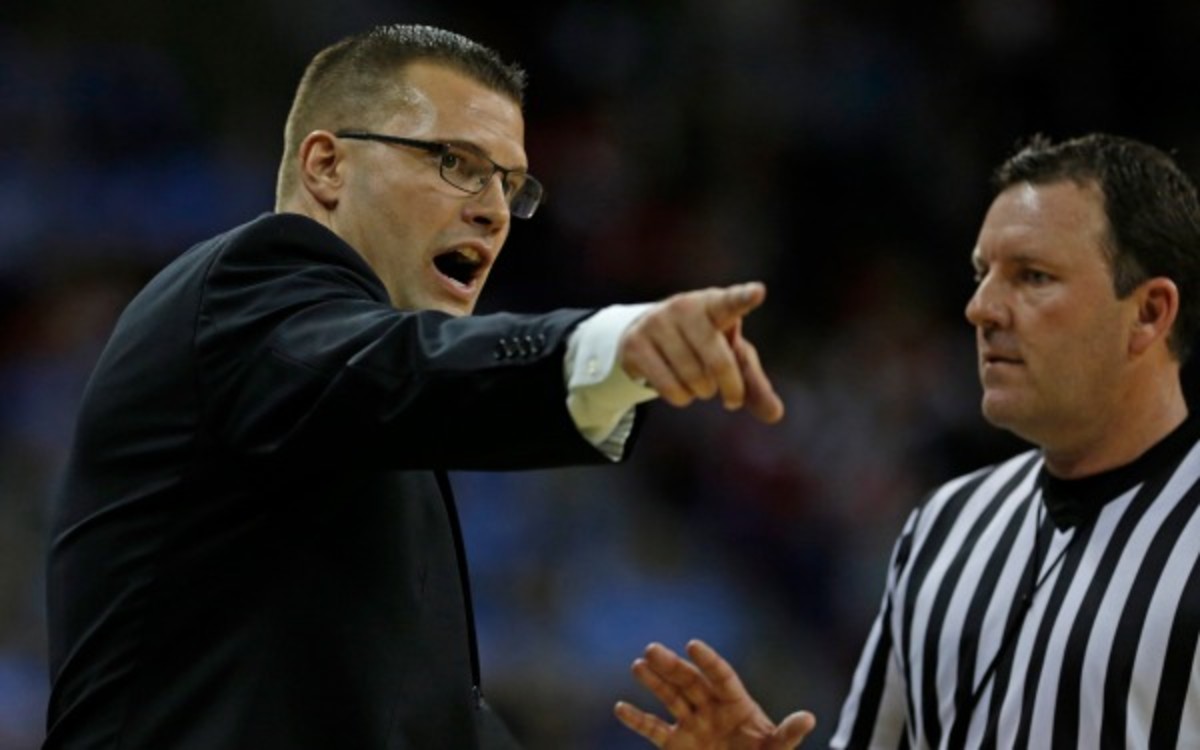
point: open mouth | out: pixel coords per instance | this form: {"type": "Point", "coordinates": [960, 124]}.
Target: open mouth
{"type": "Point", "coordinates": [460, 264]}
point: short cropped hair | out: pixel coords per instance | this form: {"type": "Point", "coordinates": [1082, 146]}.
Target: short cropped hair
{"type": "Point", "coordinates": [355, 82]}
{"type": "Point", "coordinates": [1151, 206]}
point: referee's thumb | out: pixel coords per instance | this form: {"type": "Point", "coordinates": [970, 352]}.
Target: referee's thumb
{"type": "Point", "coordinates": [730, 304]}
{"type": "Point", "coordinates": [792, 731]}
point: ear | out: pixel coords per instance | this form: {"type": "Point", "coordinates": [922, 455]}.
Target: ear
{"type": "Point", "coordinates": [321, 167]}
{"type": "Point", "coordinates": [1157, 307]}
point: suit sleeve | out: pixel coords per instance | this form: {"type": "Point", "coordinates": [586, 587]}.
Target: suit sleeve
{"type": "Point", "coordinates": [301, 357]}
{"type": "Point", "coordinates": [874, 714]}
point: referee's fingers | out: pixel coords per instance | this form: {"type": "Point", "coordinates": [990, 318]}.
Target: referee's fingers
{"type": "Point", "coordinates": [791, 731]}
{"type": "Point", "coordinates": [647, 725]}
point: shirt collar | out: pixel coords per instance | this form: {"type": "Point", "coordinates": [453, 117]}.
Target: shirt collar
{"type": "Point", "coordinates": [1074, 502]}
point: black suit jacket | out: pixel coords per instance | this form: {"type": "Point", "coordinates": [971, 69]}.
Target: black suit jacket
{"type": "Point", "coordinates": [255, 545]}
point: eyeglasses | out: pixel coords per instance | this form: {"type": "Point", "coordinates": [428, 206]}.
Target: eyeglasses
{"type": "Point", "coordinates": [469, 171]}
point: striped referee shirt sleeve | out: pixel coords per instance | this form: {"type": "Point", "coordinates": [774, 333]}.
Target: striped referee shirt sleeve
{"type": "Point", "coordinates": [873, 715]}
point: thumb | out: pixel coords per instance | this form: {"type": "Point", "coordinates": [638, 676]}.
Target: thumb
{"type": "Point", "coordinates": [729, 305]}
{"type": "Point", "coordinates": [761, 398]}
{"type": "Point", "coordinates": [792, 731]}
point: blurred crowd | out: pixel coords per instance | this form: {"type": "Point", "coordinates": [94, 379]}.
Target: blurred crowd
{"type": "Point", "coordinates": [839, 151]}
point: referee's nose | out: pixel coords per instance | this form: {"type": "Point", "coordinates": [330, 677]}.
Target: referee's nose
{"type": "Point", "coordinates": [986, 308]}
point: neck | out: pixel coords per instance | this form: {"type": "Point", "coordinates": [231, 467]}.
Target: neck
{"type": "Point", "coordinates": [1147, 416]}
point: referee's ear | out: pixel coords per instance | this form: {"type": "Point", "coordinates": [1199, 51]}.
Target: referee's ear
{"type": "Point", "coordinates": [1157, 307]}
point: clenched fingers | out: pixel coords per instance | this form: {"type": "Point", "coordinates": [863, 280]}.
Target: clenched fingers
{"type": "Point", "coordinates": [690, 347]}
{"type": "Point", "coordinates": [658, 348]}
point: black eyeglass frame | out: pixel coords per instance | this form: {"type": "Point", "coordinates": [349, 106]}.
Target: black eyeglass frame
{"type": "Point", "coordinates": [522, 202]}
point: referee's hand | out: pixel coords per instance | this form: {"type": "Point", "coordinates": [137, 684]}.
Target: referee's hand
{"type": "Point", "coordinates": [690, 346]}
{"type": "Point", "coordinates": [711, 708]}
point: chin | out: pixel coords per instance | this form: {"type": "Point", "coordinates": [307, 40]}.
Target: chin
{"type": "Point", "coordinates": [1012, 418]}
{"type": "Point", "coordinates": [999, 412]}
{"type": "Point", "coordinates": [438, 303]}
{"type": "Point", "coordinates": [457, 311]}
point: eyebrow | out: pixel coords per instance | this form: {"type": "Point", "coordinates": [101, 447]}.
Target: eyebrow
{"type": "Point", "coordinates": [1018, 259]}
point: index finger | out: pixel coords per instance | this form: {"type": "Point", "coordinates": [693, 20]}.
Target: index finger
{"type": "Point", "coordinates": [728, 305]}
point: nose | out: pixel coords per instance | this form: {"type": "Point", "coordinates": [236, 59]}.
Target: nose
{"type": "Point", "coordinates": [489, 207]}
{"type": "Point", "coordinates": [986, 308]}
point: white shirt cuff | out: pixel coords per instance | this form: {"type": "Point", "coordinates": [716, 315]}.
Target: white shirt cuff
{"type": "Point", "coordinates": [600, 396]}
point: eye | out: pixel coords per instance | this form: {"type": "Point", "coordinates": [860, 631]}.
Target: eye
{"type": "Point", "coordinates": [513, 183]}
{"type": "Point", "coordinates": [450, 160]}
{"type": "Point", "coordinates": [1035, 277]}
{"type": "Point", "coordinates": [467, 170]}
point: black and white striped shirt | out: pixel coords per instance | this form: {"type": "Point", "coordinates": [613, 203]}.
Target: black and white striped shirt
{"type": "Point", "coordinates": [1098, 649]}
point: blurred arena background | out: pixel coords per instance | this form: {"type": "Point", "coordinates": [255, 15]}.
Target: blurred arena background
{"type": "Point", "coordinates": [837, 150]}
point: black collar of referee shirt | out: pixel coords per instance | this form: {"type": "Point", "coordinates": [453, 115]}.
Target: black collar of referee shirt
{"type": "Point", "coordinates": [1073, 502]}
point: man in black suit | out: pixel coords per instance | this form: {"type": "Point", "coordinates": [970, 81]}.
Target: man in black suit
{"type": "Point", "coordinates": [256, 544]}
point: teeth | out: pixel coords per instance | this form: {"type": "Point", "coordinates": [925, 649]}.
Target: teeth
{"type": "Point", "coordinates": [460, 263]}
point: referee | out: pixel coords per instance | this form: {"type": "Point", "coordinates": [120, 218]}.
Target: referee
{"type": "Point", "coordinates": [1052, 600]}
